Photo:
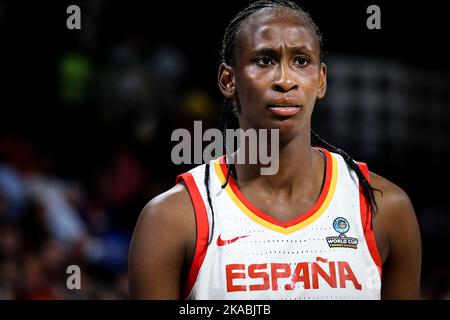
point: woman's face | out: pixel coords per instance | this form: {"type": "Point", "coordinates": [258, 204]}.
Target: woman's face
{"type": "Point", "coordinates": [278, 75]}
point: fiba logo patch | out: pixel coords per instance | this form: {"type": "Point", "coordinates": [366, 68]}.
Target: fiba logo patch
{"type": "Point", "coordinates": [342, 226]}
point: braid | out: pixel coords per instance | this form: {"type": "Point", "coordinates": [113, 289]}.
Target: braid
{"type": "Point", "coordinates": [228, 120]}
{"type": "Point", "coordinates": [367, 189]}
{"type": "Point", "coordinates": [209, 200]}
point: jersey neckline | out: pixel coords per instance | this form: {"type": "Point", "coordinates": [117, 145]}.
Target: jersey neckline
{"type": "Point", "coordinates": [267, 220]}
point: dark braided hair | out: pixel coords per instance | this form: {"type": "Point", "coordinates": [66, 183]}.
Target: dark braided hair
{"type": "Point", "coordinates": [229, 118]}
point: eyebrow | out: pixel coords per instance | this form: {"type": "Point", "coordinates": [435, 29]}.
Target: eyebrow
{"type": "Point", "coordinates": [274, 51]}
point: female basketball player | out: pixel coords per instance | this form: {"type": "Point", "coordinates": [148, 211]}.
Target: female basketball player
{"type": "Point", "coordinates": [227, 232]}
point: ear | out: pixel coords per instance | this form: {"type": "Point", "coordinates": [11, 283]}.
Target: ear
{"type": "Point", "coordinates": [322, 81]}
{"type": "Point", "coordinates": [226, 81]}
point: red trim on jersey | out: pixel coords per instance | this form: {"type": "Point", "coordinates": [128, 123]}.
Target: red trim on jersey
{"type": "Point", "coordinates": [366, 218]}
{"type": "Point", "coordinates": [201, 220]}
{"type": "Point", "coordinates": [267, 217]}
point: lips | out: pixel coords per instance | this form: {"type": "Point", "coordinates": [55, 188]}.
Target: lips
{"type": "Point", "coordinates": [284, 106]}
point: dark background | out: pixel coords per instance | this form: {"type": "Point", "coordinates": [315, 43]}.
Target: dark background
{"type": "Point", "coordinates": [86, 117]}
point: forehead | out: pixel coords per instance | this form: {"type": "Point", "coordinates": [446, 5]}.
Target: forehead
{"type": "Point", "coordinates": [275, 27]}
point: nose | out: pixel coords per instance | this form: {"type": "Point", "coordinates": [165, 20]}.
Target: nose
{"type": "Point", "coordinates": [284, 81]}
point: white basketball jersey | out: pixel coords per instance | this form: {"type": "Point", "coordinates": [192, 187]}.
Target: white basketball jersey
{"type": "Point", "coordinates": [329, 252]}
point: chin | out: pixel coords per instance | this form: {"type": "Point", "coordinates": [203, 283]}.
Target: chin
{"type": "Point", "coordinates": [286, 124]}
{"type": "Point", "coordinates": [290, 128]}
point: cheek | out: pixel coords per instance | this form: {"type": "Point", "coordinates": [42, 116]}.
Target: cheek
{"type": "Point", "coordinates": [250, 85]}
{"type": "Point", "coordinates": [310, 85]}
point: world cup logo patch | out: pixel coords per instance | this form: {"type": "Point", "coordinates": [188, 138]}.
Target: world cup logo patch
{"type": "Point", "coordinates": [342, 226]}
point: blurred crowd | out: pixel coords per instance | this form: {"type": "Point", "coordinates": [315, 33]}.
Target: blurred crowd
{"type": "Point", "coordinates": [71, 193]}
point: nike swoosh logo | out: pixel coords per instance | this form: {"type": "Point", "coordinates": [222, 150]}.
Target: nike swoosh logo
{"type": "Point", "coordinates": [221, 242]}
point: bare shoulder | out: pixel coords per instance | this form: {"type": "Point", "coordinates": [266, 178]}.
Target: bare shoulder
{"type": "Point", "coordinates": [398, 238]}
{"type": "Point", "coordinates": [162, 244]}
{"type": "Point", "coordinates": [172, 207]}
{"type": "Point", "coordinates": [170, 216]}
{"type": "Point", "coordinates": [395, 222]}
{"type": "Point", "coordinates": [391, 200]}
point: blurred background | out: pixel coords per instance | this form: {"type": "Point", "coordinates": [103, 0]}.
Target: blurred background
{"type": "Point", "coordinates": [86, 118]}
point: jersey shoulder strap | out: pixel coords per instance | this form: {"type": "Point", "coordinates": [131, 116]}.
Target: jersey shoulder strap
{"type": "Point", "coordinates": [202, 229]}
{"type": "Point", "coordinates": [366, 219]}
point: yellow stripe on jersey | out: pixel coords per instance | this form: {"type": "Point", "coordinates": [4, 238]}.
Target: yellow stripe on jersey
{"type": "Point", "coordinates": [270, 225]}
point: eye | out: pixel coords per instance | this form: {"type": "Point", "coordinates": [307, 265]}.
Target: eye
{"type": "Point", "coordinates": [302, 61]}
{"type": "Point", "coordinates": [264, 61]}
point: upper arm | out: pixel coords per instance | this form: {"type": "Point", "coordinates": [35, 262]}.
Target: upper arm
{"type": "Point", "coordinates": [162, 239]}
{"type": "Point", "coordinates": [397, 222]}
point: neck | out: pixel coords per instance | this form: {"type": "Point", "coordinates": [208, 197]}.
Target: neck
{"type": "Point", "coordinates": [298, 167]}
